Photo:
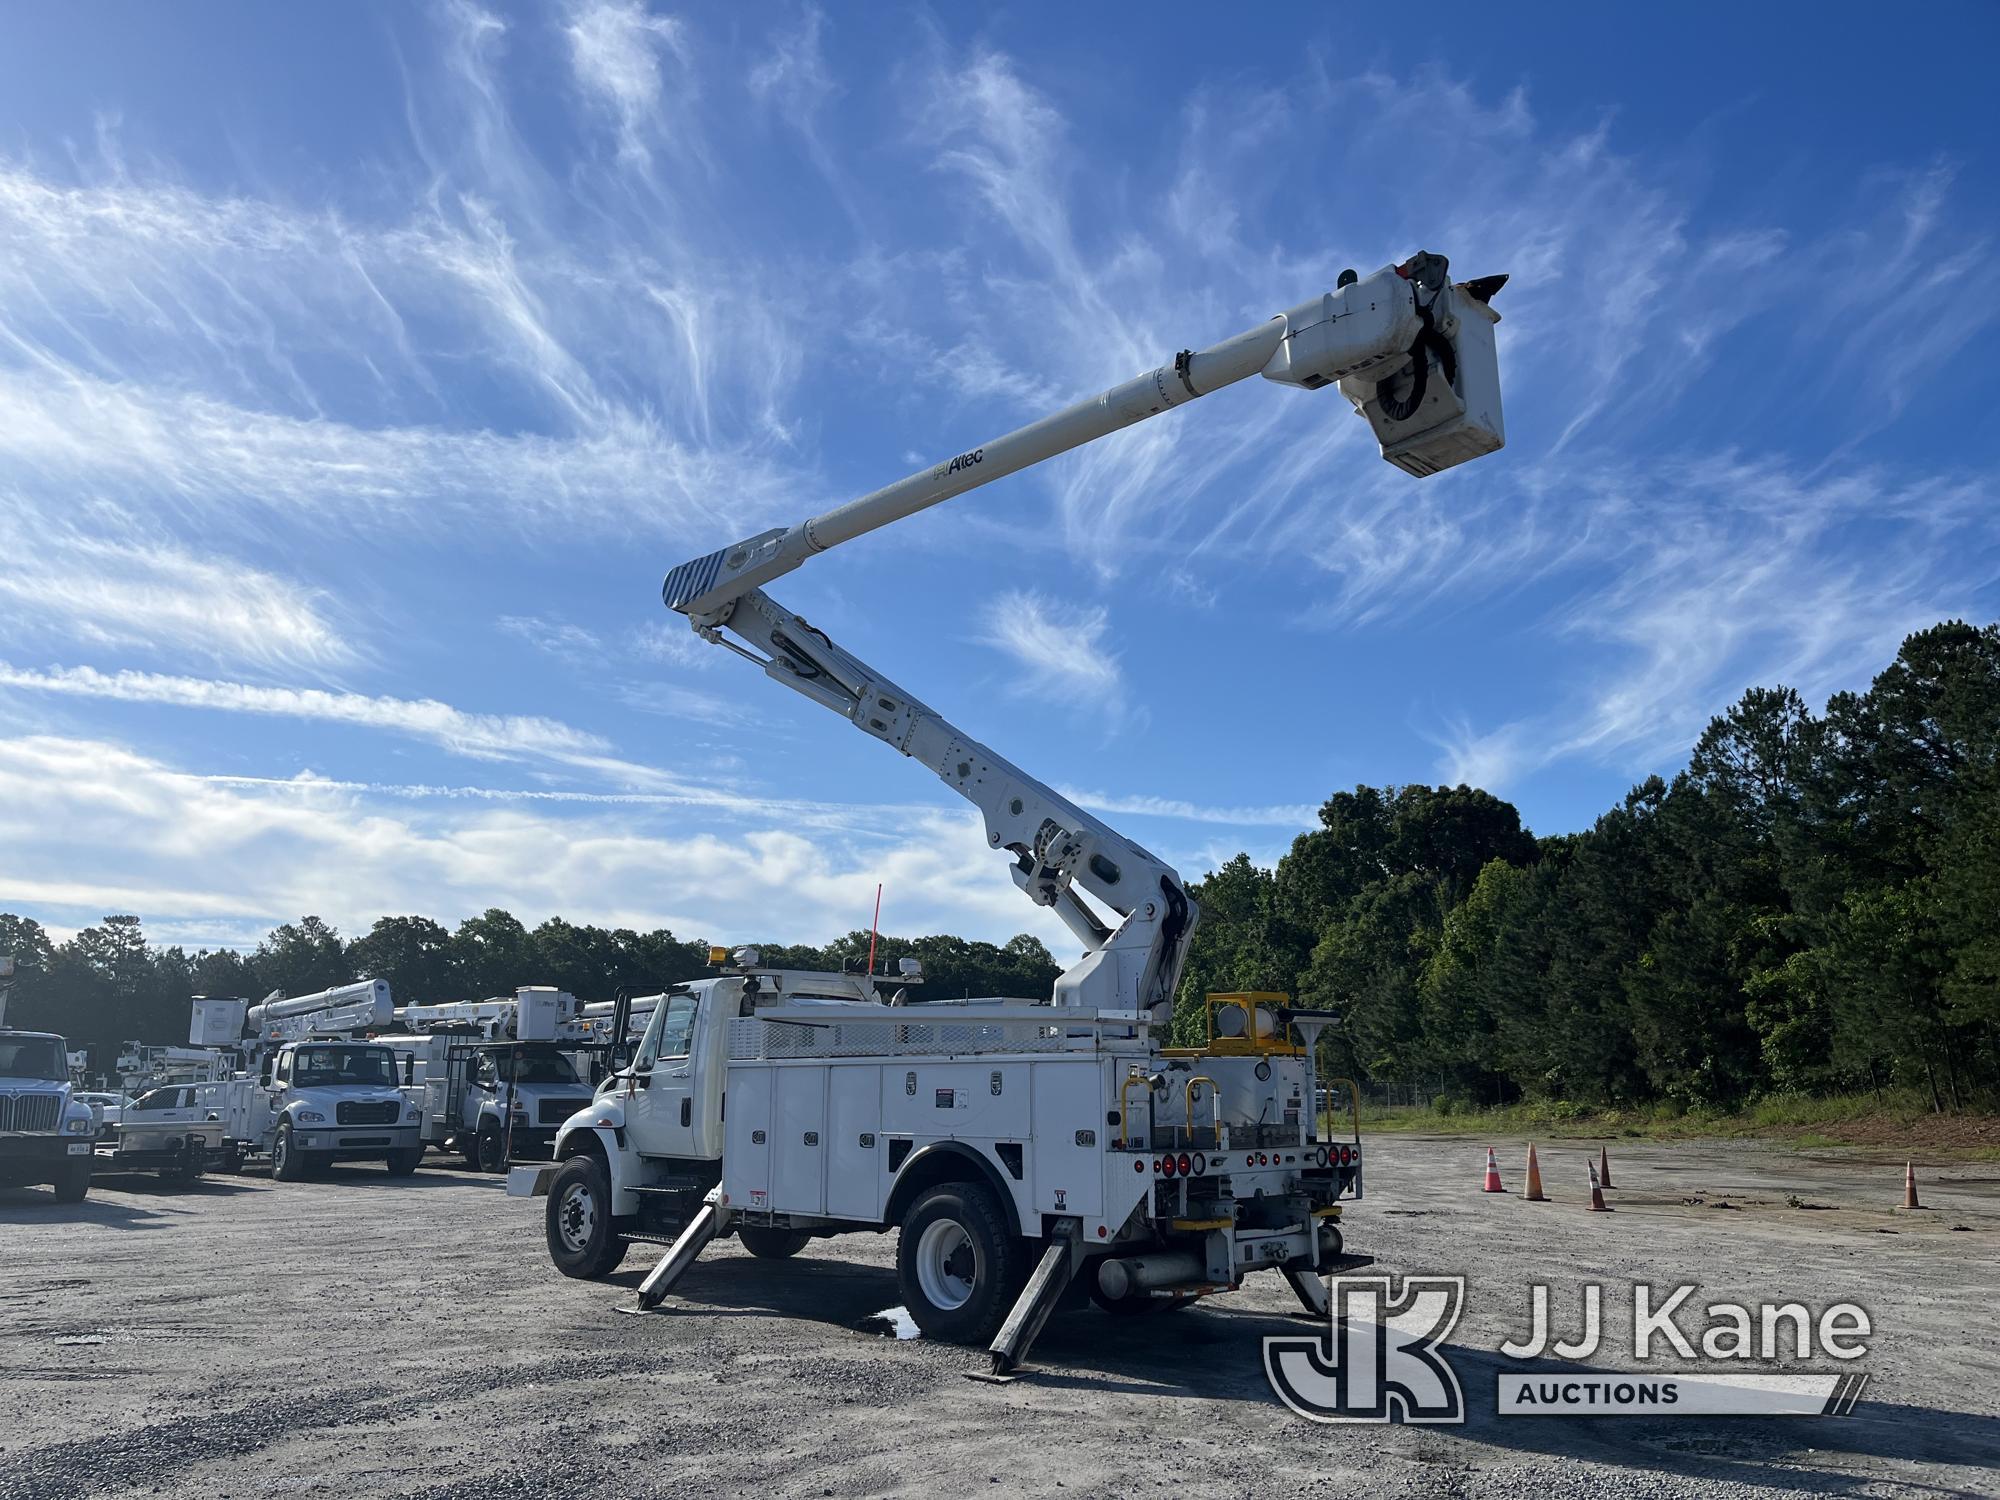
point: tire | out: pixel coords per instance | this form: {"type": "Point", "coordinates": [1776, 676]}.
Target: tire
{"type": "Point", "coordinates": [958, 1264]}
{"type": "Point", "coordinates": [232, 1159]}
{"type": "Point", "coordinates": [772, 1244]}
{"type": "Point", "coordinates": [73, 1184]}
{"type": "Point", "coordinates": [489, 1152]}
{"type": "Point", "coordinates": [288, 1162]}
{"type": "Point", "coordinates": [403, 1163]}
{"type": "Point", "coordinates": [582, 1239]}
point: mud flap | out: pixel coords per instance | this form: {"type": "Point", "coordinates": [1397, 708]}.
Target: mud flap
{"type": "Point", "coordinates": [1032, 1308]}
{"type": "Point", "coordinates": [702, 1228]}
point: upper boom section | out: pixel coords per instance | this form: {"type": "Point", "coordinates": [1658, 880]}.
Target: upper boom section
{"type": "Point", "coordinates": [1382, 337]}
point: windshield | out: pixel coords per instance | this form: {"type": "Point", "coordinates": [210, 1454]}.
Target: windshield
{"type": "Point", "coordinates": [536, 1067]}
{"type": "Point", "coordinates": [325, 1065]}
{"type": "Point", "coordinates": [33, 1057]}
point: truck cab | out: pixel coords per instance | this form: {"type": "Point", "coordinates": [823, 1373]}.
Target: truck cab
{"type": "Point", "coordinates": [490, 1102]}
{"type": "Point", "coordinates": [46, 1132]}
{"type": "Point", "coordinates": [337, 1100]}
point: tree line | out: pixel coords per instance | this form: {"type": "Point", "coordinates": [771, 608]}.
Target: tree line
{"type": "Point", "coordinates": [1813, 906]}
{"type": "Point", "coordinates": [108, 985]}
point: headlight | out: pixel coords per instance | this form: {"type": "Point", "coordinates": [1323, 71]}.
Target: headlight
{"type": "Point", "coordinates": [311, 1117]}
{"type": "Point", "coordinates": [84, 1126]}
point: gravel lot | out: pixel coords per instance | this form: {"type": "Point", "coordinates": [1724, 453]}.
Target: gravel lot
{"type": "Point", "coordinates": [371, 1336]}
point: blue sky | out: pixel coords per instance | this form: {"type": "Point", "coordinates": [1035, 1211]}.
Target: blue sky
{"type": "Point", "coordinates": [362, 370]}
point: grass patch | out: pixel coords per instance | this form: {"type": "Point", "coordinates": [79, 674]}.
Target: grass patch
{"type": "Point", "coordinates": [1889, 1119]}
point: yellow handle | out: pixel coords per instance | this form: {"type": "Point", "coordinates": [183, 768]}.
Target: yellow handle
{"type": "Point", "coordinates": [1215, 1098]}
{"type": "Point", "coordinates": [1354, 1102]}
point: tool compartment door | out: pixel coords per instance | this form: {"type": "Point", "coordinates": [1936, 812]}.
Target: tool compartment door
{"type": "Point", "coordinates": [746, 1152]}
{"type": "Point", "coordinates": [798, 1139]}
{"type": "Point", "coordinates": [854, 1186]}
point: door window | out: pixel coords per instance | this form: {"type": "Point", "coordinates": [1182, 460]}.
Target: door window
{"type": "Point", "coordinates": [677, 1031]}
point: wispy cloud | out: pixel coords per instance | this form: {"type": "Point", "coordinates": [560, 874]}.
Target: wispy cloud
{"type": "Point", "coordinates": [115, 584]}
{"type": "Point", "coordinates": [615, 50]}
{"type": "Point", "coordinates": [1726, 573]}
{"type": "Point", "coordinates": [1058, 647]}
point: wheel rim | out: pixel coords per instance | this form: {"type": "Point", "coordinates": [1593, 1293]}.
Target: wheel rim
{"type": "Point", "coordinates": [947, 1264]}
{"type": "Point", "coordinates": [281, 1155]}
{"type": "Point", "coordinates": [576, 1217]}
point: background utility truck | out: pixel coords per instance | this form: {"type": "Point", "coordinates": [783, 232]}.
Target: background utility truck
{"type": "Point", "coordinates": [45, 1130]}
{"type": "Point", "coordinates": [495, 1078]}
{"type": "Point", "coordinates": [317, 1087]}
{"type": "Point", "coordinates": [1005, 1132]}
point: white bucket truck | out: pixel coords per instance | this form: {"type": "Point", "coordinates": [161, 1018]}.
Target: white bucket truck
{"type": "Point", "coordinates": [1002, 1134]}
{"type": "Point", "coordinates": [319, 1086]}
{"type": "Point", "coordinates": [495, 1078]}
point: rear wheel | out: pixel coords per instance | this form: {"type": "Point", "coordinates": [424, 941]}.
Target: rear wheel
{"type": "Point", "coordinates": [958, 1264]}
{"type": "Point", "coordinates": [73, 1183]}
{"type": "Point", "coordinates": [772, 1244]}
{"type": "Point", "coordinates": [582, 1241]}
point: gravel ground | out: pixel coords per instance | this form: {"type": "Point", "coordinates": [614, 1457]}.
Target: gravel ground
{"type": "Point", "coordinates": [365, 1335]}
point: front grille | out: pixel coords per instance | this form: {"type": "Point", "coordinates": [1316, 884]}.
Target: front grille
{"type": "Point", "coordinates": [30, 1111]}
{"type": "Point", "coordinates": [555, 1111]}
{"type": "Point", "coordinates": [360, 1112]}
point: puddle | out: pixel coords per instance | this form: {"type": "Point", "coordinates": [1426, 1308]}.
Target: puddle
{"type": "Point", "coordinates": [890, 1322]}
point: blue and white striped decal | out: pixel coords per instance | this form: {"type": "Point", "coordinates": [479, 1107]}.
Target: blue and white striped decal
{"type": "Point", "coordinates": [691, 580]}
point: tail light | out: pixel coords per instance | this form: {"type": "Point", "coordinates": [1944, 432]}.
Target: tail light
{"type": "Point", "coordinates": [1263, 1160]}
{"type": "Point", "coordinates": [1347, 1156]}
{"type": "Point", "coordinates": [1187, 1165]}
{"type": "Point", "coordinates": [1139, 1165]}
{"type": "Point", "coordinates": [1166, 1166]}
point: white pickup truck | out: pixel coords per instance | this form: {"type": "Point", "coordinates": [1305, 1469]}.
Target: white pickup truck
{"type": "Point", "coordinates": [176, 1130]}
{"type": "Point", "coordinates": [990, 1133]}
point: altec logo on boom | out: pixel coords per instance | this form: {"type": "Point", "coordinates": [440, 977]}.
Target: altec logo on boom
{"type": "Point", "coordinates": [1384, 1358]}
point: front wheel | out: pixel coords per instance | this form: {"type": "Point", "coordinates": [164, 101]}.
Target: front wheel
{"type": "Point", "coordinates": [403, 1163]}
{"type": "Point", "coordinates": [957, 1263]}
{"type": "Point", "coordinates": [582, 1241]}
{"type": "Point", "coordinates": [288, 1162]}
{"type": "Point", "coordinates": [767, 1243]}
{"type": "Point", "coordinates": [490, 1153]}
{"type": "Point", "coordinates": [73, 1183]}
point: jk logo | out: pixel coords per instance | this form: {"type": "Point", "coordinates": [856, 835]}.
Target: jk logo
{"type": "Point", "coordinates": [1379, 1360]}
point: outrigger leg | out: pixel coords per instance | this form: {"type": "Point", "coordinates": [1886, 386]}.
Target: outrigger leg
{"type": "Point", "coordinates": [1032, 1308]}
{"type": "Point", "coordinates": [702, 1228]}
{"type": "Point", "coordinates": [1310, 1288]}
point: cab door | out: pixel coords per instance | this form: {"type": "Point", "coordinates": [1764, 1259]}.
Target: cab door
{"type": "Point", "coordinates": [663, 1110]}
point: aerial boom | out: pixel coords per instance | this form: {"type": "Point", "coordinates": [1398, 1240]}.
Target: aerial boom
{"type": "Point", "coordinates": [1414, 354]}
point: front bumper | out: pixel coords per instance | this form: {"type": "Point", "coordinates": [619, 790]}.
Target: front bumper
{"type": "Point", "coordinates": [358, 1142]}
{"type": "Point", "coordinates": [36, 1150]}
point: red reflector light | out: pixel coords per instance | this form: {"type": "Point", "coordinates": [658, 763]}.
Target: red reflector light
{"type": "Point", "coordinates": [1187, 1165]}
{"type": "Point", "coordinates": [1263, 1160]}
{"type": "Point", "coordinates": [1249, 1161]}
{"type": "Point", "coordinates": [1166, 1166]}
{"type": "Point", "coordinates": [1139, 1166]}
{"type": "Point", "coordinates": [1347, 1156]}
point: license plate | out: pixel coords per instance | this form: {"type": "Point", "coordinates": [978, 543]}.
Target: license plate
{"type": "Point", "coordinates": [79, 1148]}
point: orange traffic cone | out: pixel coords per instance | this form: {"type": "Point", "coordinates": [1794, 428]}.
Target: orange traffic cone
{"type": "Point", "coordinates": [1534, 1193]}
{"type": "Point", "coordinates": [1492, 1184]}
{"type": "Point", "coordinates": [1597, 1203]}
{"type": "Point", "coordinates": [1910, 1185]}
{"type": "Point", "coordinates": [1604, 1166]}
